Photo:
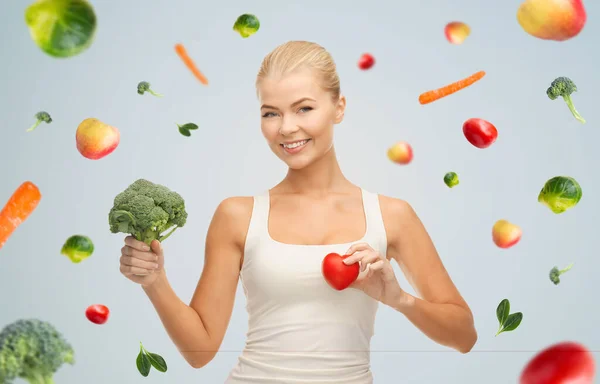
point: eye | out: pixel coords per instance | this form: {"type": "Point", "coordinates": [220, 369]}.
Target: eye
{"type": "Point", "coordinates": [305, 109]}
{"type": "Point", "coordinates": [268, 114]}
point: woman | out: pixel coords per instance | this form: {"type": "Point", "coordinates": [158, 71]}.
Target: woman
{"type": "Point", "coordinates": [300, 329]}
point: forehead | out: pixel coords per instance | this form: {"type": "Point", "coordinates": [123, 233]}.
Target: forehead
{"type": "Point", "coordinates": [290, 87]}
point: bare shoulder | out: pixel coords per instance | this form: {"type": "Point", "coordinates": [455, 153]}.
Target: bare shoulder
{"type": "Point", "coordinates": [397, 215]}
{"type": "Point", "coordinates": [232, 217]}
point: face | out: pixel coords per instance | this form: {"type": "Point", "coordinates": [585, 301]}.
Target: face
{"type": "Point", "coordinates": [298, 116]}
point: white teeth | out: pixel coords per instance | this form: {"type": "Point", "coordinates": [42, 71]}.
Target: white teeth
{"type": "Point", "coordinates": [296, 144]}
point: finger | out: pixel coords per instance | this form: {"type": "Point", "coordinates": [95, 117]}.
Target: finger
{"type": "Point", "coordinates": [357, 256]}
{"type": "Point", "coordinates": [133, 262]}
{"type": "Point", "coordinates": [370, 258]}
{"type": "Point", "coordinates": [129, 270]}
{"type": "Point", "coordinates": [156, 247]}
{"type": "Point", "coordinates": [357, 247]}
{"type": "Point", "coordinates": [142, 255]}
{"type": "Point", "coordinates": [136, 244]}
{"type": "Point", "coordinates": [377, 266]}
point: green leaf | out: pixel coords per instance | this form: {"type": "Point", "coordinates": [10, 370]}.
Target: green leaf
{"type": "Point", "coordinates": [189, 126]}
{"type": "Point", "coordinates": [184, 132]}
{"type": "Point", "coordinates": [157, 362]}
{"type": "Point", "coordinates": [513, 321]}
{"type": "Point", "coordinates": [143, 363]}
{"type": "Point", "coordinates": [503, 311]}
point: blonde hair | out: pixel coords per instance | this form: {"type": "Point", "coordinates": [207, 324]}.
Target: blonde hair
{"type": "Point", "coordinates": [293, 55]}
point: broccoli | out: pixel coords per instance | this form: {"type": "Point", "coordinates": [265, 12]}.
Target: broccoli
{"type": "Point", "coordinates": [555, 273]}
{"type": "Point", "coordinates": [144, 86]}
{"type": "Point", "coordinates": [32, 350]}
{"type": "Point", "coordinates": [42, 117]}
{"type": "Point", "coordinates": [146, 210]}
{"type": "Point", "coordinates": [563, 86]}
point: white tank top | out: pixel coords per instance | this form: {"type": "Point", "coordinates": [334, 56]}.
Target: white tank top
{"type": "Point", "coordinates": [300, 330]}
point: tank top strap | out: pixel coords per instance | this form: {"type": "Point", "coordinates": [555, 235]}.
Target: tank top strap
{"type": "Point", "coordinates": [258, 221]}
{"type": "Point", "coordinates": [376, 235]}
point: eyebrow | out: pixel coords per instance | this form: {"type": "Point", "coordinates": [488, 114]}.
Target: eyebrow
{"type": "Point", "coordinates": [293, 104]}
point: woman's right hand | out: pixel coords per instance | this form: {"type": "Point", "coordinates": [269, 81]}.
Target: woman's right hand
{"type": "Point", "coordinates": [140, 263]}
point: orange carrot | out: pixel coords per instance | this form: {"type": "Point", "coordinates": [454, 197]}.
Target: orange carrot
{"type": "Point", "coordinates": [18, 208]}
{"type": "Point", "coordinates": [189, 63]}
{"type": "Point", "coordinates": [431, 96]}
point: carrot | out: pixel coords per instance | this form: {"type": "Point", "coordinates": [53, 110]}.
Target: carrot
{"type": "Point", "coordinates": [189, 63]}
{"type": "Point", "coordinates": [18, 208]}
{"type": "Point", "coordinates": [431, 96]}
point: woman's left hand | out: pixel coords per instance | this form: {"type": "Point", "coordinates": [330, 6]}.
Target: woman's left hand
{"type": "Point", "coordinates": [379, 281]}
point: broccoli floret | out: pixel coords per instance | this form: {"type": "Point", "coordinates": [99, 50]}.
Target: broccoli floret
{"type": "Point", "coordinates": [41, 117]}
{"type": "Point", "coordinates": [146, 210]}
{"type": "Point", "coordinates": [144, 86]}
{"type": "Point", "coordinates": [555, 273]}
{"type": "Point", "coordinates": [32, 350]}
{"type": "Point", "coordinates": [563, 86]}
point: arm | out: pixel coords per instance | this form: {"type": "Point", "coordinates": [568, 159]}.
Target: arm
{"type": "Point", "coordinates": [198, 329]}
{"type": "Point", "coordinates": [441, 313]}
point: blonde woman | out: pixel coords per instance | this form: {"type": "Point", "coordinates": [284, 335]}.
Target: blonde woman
{"type": "Point", "coordinates": [300, 329]}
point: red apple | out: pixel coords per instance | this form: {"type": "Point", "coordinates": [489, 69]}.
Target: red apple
{"type": "Point", "coordinates": [456, 32]}
{"type": "Point", "coordinates": [562, 363]}
{"type": "Point", "coordinates": [95, 139]}
{"type": "Point", "coordinates": [400, 153]}
{"type": "Point", "coordinates": [481, 133]}
{"type": "Point", "coordinates": [366, 61]}
{"type": "Point", "coordinates": [337, 274]}
{"type": "Point", "coordinates": [97, 313]}
{"type": "Point", "coordinates": [557, 20]}
{"type": "Point", "coordinates": [506, 234]}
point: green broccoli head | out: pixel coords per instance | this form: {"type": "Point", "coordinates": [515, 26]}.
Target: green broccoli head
{"type": "Point", "coordinates": [32, 350]}
{"type": "Point", "coordinates": [564, 87]}
{"type": "Point", "coordinates": [40, 117]}
{"type": "Point", "coordinates": [146, 211]}
{"type": "Point", "coordinates": [144, 86]}
{"type": "Point", "coordinates": [555, 273]}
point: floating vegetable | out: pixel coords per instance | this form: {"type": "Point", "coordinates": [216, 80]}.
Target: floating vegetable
{"type": "Point", "coordinates": [451, 179]}
{"type": "Point", "coordinates": [186, 128]}
{"type": "Point", "coordinates": [246, 25]}
{"type": "Point", "coordinates": [96, 139]}
{"type": "Point", "coordinates": [77, 248]}
{"type": "Point", "coordinates": [555, 273]}
{"type": "Point", "coordinates": [564, 87]}
{"type": "Point", "coordinates": [567, 362]}
{"type": "Point", "coordinates": [557, 20]}
{"type": "Point", "coordinates": [17, 209]}
{"type": "Point", "coordinates": [480, 133]}
{"type": "Point", "coordinates": [506, 234]}
{"type": "Point", "coordinates": [560, 193]}
{"type": "Point", "coordinates": [42, 117]}
{"type": "Point", "coordinates": [508, 321]}
{"type": "Point", "coordinates": [61, 28]}
{"type": "Point", "coordinates": [366, 61]}
{"type": "Point", "coordinates": [146, 360]}
{"type": "Point", "coordinates": [400, 153]}
{"type": "Point", "coordinates": [189, 63]}
{"type": "Point", "coordinates": [456, 32]}
{"type": "Point", "coordinates": [436, 94]}
{"type": "Point", "coordinates": [97, 313]}
{"type": "Point", "coordinates": [144, 86]}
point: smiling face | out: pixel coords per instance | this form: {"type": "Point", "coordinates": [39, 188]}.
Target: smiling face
{"type": "Point", "coordinates": [297, 117]}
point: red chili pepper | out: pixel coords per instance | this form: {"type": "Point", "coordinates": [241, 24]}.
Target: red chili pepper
{"type": "Point", "coordinates": [97, 313]}
{"type": "Point", "coordinates": [479, 132]}
{"type": "Point", "coordinates": [562, 363]}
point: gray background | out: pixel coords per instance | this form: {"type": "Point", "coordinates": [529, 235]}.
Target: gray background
{"type": "Point", "coordinates": [538, 139]}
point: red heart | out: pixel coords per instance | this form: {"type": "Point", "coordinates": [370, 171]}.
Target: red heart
{"type": "Point", "coordinates": [337, 274]}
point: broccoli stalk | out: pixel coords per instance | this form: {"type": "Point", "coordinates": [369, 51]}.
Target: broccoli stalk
{"type": "Point", "coordinates": [144, 86]}
{"type": "Point", "coordinates": [146, 211]}
{"type": "Point", "coordinates": [42, 117]}
{"type": "Point", "coordinates": [563, 86]}
{"type": "Point", "coordinates": [555, 273]}
{"type": "Point", "coordinates": [32, 350]}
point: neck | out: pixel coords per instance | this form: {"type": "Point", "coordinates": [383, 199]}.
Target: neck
{"type": "Point", "coordinates": [321, 177]}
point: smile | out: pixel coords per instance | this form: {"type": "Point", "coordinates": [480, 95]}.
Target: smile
{"type": "Point", "coordinates": [294, 147]}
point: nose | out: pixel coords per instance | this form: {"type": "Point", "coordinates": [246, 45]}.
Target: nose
{"type": "Point", "coordinates": [288, 127]}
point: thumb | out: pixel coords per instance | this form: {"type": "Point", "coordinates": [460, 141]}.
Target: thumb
{"type": "Point", "coordinates": [156, 247]}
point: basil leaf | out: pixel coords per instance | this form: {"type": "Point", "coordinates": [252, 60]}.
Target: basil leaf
{"type": "Point", "coordinates": [189, 126]}
{"type": "Point", "coordinates": [157, 362]}
{"type": "Point", "coordinates": [503, 311]}
{"type": "Point", "coordinates": [184, 131]}
{"type": "Point", "coordinates": [143, 364]}
{"type": "Point", "coordinates": [513, 321]}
